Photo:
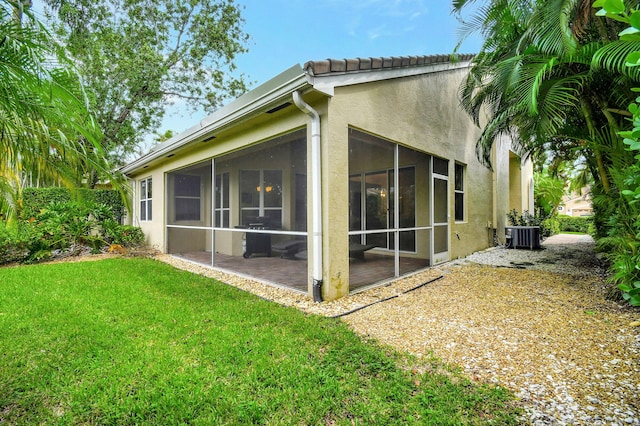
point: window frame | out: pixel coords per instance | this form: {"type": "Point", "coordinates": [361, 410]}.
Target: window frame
{"type": "Point", "coordinates": [459, 192]}
{"type": "Point", "coordinates": [146, 199]}
{"type": "Point", "coordinates": [220, 208]}
{"type": "Point", "coordinates": [261, 208]}
{"type": "Point", "coordinates": [389, 206]}
{"type": "Point", "coordinates": [177, 197]}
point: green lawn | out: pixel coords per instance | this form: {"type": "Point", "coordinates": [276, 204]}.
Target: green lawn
{"type": "Point", "coordinates": [135, 341]}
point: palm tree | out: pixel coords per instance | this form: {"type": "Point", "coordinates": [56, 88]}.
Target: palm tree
{"type": "Point", "coordinates": [538, 78]}
{"type": "Point", "coordinates": [46, 129]}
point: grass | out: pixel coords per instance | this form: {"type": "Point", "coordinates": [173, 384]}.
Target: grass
{"type": "Point", "coordinates": [135, 341]}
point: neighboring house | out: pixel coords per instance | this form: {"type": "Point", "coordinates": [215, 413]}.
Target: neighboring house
{"type": "Point", "coordinates": [332, 178]}
{"type": "Point", "coordinates": [575, 204]}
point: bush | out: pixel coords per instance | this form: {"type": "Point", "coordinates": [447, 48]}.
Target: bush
{"type": "Point", "coordinates": [33, 200]}
{"type": "Point", "coordinates": [65, 227]}
{"type": "Point", "coordinates": [574, 224]}
{"type": "Point", "coordinates": [527, 219]}
{"type": "Point", "coordinates": [551, 227]}
{"type": "Point", "coordinates": [123, 235]}
{"type": "Point", "coordinates": [14, 243]}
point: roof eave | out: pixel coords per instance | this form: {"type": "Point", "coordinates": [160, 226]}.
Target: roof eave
{"type": "Point", "coordinates": [326, 83]}
{"type": "Point", "coordinates": [253, 102]}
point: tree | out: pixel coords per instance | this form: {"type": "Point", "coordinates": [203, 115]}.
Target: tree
{"type": "Point", "coordinates": [539, 78]}
{"type": "Point", "coordinates": [622, 241]}
{"type": "Point", "coordinates": [548, 191]}
{"type": "Point", "coordinates": [555, 75]}
{"type": "Point", "coordinates": [46, 130]}
{"type": "Point", "coordinates": [138, 56]}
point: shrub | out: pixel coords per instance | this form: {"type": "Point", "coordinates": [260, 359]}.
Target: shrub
{"type": "Point", "coordinates": [33, 200]}
{"type": "Point", "coordinates": [619, 224]}
{"type": "Point", "coordinates": [14, 243]}
{"type": "Point", "coordinates": [527, 219]}
{"type": "Point", "coordinates": [574, 224]}
{"type": "Point", "coordinates": [551, 226]}
{"type": "Point", "coordinates": [124, 235]}
{"type": "Point", "coordinates": [65, 227]}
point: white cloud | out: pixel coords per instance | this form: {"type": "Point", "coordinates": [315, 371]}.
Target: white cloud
{"type": "Point", "coordinates": [364, 16]}
{"type": "Point", "coordinates": [376, 32]}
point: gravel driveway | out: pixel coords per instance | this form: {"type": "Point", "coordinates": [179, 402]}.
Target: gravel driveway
{"type": "Point", "coordinates": [536, 322]}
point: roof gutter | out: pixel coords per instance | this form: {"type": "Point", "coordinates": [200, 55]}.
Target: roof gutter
{"type": "Point", "coordinates": [316, 191]}
{"type": "Point", "coordinates": [241, 109]}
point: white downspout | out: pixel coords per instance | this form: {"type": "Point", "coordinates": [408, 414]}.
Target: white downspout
{"type": "Point", "coordinates": [316, 193]}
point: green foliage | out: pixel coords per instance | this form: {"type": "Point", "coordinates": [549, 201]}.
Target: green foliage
{"type": "Point", "coordinates": [548, 192]}
{"type": "Point", "coordinates": [527, 219]}
{"type": "Point", "coordinates": [622, 239]}
{"type": "Point", "coordinates": [183, 50]}
{"type": "Point", "coordinates": [47, 132]}
{"type": "Point", "coordinates": [124, 235]}
{"type": "Point", "coordinates": [631, 292]}
{"type": "Point", "coordinates": [64, 227]}
{"type": "Point", "coordinates": [111, 198]}
{"type": "Point", "coordinates": [543, 81]}
{"type": "Point", "coordinates": [135, 341]}
{"type": "Point", "coordinates": [14, 243]}
{"type": "Point", "coordinates": [524, 219]}
{"type": "Point", "coordinates": [574, 224]}
{"type": "Point", "coordinates": [551, 226]}
{"type": "Point", "coordinates": [33, 199]}
{"type": "Point", "coordinates": [555, 78]}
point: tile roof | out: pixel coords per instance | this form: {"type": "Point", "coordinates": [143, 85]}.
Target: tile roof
{"type": "Point", "coordinates": [342, 66]}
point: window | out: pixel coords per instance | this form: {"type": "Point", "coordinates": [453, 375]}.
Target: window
{"type": "Point", "coordinates": [187, 198]}
{"type": "Point", "coordinates": [145, 199]}
{"type": "Point", "coordinates": [440, 166]}
{"type": "Point", "coordinates": [261, 196]}
{"type": "Point", "coordinates": [459, 192]}
{"type": "Point", "coordinates": [222, 200]}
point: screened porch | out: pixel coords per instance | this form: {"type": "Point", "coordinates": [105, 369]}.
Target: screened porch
{"type": "Point", "coordinates": [246, 211]}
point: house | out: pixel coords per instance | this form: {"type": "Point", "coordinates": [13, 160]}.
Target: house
{"type": "Point", "coordinates": [332, 177]}
{"type": "Point", "coordinates": [577, 204]}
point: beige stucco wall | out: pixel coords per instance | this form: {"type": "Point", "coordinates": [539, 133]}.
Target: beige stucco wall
{"type": "Point", "coordinates": [421, 113]}
{"type": "Point", "coordinates": [513, 184]}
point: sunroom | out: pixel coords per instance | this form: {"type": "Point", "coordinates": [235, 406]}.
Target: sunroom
{"type": "Point", "coordinates": [246, 211]}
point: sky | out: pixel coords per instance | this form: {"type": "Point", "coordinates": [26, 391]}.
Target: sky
{"type": "Point", "coordinates": [284, 33]}
{"type": "Point", "coordinates": [288, 32]}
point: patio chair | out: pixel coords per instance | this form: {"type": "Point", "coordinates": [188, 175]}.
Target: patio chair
{"type": "Point", "coordinates": [288, 248]}
{"type": "Point", "coordinates": [357, 250]}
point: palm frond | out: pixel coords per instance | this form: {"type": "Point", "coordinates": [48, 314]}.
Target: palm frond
{"type": "Point", "coordinates": [612, 57]}
{"type": "Point", "coordinates": [550, 27]}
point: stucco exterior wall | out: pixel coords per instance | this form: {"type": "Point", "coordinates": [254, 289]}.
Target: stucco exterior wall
{"type": "Point", "coordinates": [513, 179]}
{"type": "Point", "coordinates": [422, 113]}
{"type": "Point", "coordinates": [501, 163]}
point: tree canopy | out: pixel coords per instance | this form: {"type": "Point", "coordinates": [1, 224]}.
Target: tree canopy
{"type": "Point", "coordinates": [47, 133]}
{"type": "Point", "coordinates": [551, 74]}
{"type": "Point", "coordinates": [560, 77]}
{"type": "Point", "coordinates": [138, 56]}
